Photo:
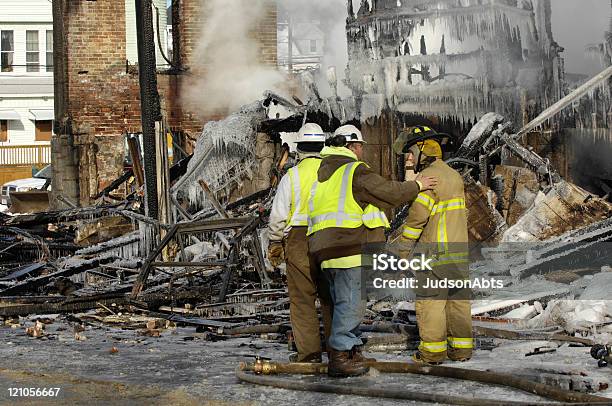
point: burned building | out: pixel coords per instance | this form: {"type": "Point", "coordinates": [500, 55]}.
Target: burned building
{"type": "Point", "coordinates": [453, 59]}
{"type": "Point", "coordinates": [97, 92]}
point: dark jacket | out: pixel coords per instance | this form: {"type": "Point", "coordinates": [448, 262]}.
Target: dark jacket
{"type": "Point", "coordinates": [368, 188]}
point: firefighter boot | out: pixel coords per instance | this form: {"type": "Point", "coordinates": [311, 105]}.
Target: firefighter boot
{"type": "Point", "coordinates": [340, 365]}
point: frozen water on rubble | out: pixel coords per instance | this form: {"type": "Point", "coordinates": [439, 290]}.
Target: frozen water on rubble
{"type": "Point", "coordinates": [485, 125]}
{"type": "Point", "coordinates": [574, 315]}
{"type": "Point", "coordinates": [224, 155]}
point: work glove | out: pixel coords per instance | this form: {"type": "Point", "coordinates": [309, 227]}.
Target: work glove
{"type": "Point", "coordinates": [406, 247]}
{"type": "Point", "coordinates": [276, 253]}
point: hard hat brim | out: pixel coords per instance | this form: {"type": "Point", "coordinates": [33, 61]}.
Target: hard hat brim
{"type": "Point", "coordinates": [404, 142]}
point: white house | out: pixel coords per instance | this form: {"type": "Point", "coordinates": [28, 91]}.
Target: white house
{"type": "Point", "coordinates": [26, 72]}
{"type": "Point", "coordinates": [307, 43]}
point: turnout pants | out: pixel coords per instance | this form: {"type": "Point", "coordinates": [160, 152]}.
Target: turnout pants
{"type": "Point", "coordinates": [304, 282]}
{"type": "Point", "coordinates": [445, 328]}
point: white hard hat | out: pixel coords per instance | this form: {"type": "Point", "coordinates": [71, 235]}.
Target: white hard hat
{"type": "Point", "coordinates": [351, 133]}
{"type": "Point", "coordinates": [311, 132]}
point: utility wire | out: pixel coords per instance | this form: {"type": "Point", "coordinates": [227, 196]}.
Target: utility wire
{"type": "Point", "coordinates": [159, 45]}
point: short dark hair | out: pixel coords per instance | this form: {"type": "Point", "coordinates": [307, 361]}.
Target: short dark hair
{"type": "Point", "coordinates": [336, 141]}
{"type": "Point", "coordinates": [310, 146]}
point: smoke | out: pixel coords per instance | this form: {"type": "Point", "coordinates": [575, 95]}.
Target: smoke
{"type": "Point", "coordinates": [330, 16]}
{"type": "Point", "coordinates": [591, 19]}
{"type": "Point", "coordinates": [226, 68]}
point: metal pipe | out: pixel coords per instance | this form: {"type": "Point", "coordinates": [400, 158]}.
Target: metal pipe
{"type": "Point", "coordinates": [489, 377]}
{"type": "Point", "coordinates": [565, 102]}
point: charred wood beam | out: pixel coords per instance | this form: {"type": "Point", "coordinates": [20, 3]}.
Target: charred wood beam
{"type": "Point", "coordinates": [24, 271]}
{"type": "Point", "coordinates": [149, 101]}
{"type": "Point", "coordinates": [116, 183]}
{"type": "Point", "coordinates": [213, 199]}
{"type": "Point", "coordinates": [61, 216]}
{"type": "Point", "coordinates": [180, 168]}
{"type": "Point", "coordinates": [53, 308]}
{"type": "Point", "coordinates": [541, 165]}
{"type": "Point", "coordinates": [33, 284]}
{"type": "Point", "coordinates": [180, 229]}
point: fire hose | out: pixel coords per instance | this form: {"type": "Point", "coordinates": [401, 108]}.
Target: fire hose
{"type": "Point", "coordinates": [262, 370]}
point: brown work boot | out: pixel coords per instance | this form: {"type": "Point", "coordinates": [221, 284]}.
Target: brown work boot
{"type": "Point", "coordinates": [357, 355]}
{"type": "Point", "coordinates": [340, 365]}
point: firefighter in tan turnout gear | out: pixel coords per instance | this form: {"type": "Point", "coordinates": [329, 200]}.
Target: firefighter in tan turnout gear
{"type": "Point", "coordinates": [345, 214]}
{"type": "Point", "coordinates": [437, 227]}
{"type": "Point", "coordinates": [288, 243]}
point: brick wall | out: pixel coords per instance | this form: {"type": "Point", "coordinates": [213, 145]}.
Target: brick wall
{"type": "Point", "coordinates": [103, 99]}
{"type": "Point", "coordinates": [266, 36]}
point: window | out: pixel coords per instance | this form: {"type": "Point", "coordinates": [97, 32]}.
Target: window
{"type": "Point", "coordinates": [44, 129]}
{"type": "Point", "coordinates": [7, 48]}
{"type": "Point", "coordinates": [32, 52]}
{"type": "Point", "coordinates": [49, 61]}
{"type": "Point", "coordinates": [3, 130]}
{"type": "Point", "coordinates": [313, 45]}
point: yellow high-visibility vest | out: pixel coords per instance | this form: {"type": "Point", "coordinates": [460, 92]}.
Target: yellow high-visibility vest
{"type": "Point", "coordinates": [301, 177]}
{"type": "Point", "coordinates": [332, 204]}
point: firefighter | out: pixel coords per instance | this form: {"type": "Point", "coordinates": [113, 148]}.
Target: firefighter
{"type": "Point", "coordinates": [288, 243]}
{"type": "Point", "coordinates": [344, 214]}
{"type": "Point", "coordinates": [437, 227]}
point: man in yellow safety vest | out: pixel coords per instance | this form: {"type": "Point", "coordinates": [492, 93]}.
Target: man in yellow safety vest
{"type": "Point", "coordinates": [344, 214]}
{"type": "Point", "coordinates": [437, 227]}
{"type": "Point", "coordinates": [288, 243]}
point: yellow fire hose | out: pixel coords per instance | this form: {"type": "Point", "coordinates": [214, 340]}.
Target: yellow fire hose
{"type": "Point", "coordinates": [262, 370]}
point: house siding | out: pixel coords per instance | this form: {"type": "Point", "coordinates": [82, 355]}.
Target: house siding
{"type": "Point", "coordinates": [20, 90]}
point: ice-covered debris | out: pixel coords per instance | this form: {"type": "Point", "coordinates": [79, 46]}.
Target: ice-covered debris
{"type": "Point", "coordinates": [480, 132]}
{"type": "Point", "coordinates": [372, 105]}
{"type": "Point", "coordinates": [600, 287]}
{"type": "Point", "coordinates": [200, 252]}
{"type": "Point", "coordinates": [564, 208]}
{"type": "Point", "coordinates": [523, 313]}
{"type": "Point", "coordinates": [573, 315]}
{"type": "Point", "coordinates": [224, 156]}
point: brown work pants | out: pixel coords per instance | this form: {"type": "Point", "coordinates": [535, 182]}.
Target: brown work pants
{"type": "Point", "coordinates": [305, 283]}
